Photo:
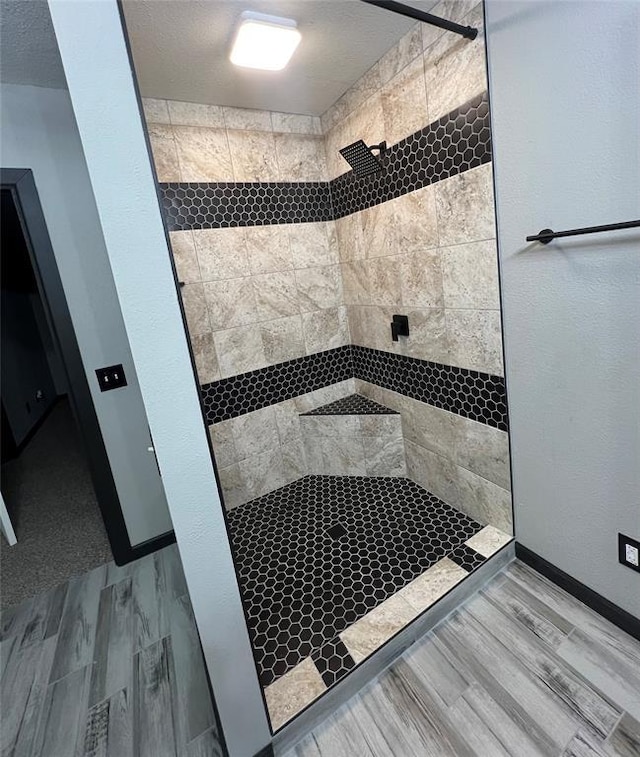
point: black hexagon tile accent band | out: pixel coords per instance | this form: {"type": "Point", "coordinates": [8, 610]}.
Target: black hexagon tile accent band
{"type": "Point", "coordinates": [301, 588]}
{"type": "Point", "coordinates": [237, 395]}
{"type": "Point", "coordinates": [219, 205]}
{"type": "Point", "coordinates": [466, 557]}
{"type": "Point", "coordinates": [354, 404]}
{"type": "Point", "coordinates": [472, 394]}
{"type": "Point", "coordinates": [333, 661]}
{"type": "Point", "coordinates": [457, 142]}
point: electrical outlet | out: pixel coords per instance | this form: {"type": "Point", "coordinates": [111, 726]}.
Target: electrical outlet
{"type": "Point", "coordinates": [629, 552]}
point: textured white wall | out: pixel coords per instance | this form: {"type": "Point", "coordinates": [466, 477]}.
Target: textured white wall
{"type": "Point", "coordinates": [100, 81]}
{"type": "Point", "coordinates": [566, 118]}
{"type": "Point", "coordinates": [39, 132]}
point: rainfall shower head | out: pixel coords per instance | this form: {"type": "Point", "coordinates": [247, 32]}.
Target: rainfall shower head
{"type": "Point", "coordinates": [361, 159]}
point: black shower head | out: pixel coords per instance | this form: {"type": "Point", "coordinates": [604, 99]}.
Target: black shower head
{"type": "Point", "coordinates": [361, 159]}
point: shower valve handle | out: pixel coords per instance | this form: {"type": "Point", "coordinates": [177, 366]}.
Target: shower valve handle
{"type": "Point", "coordinates": [399, 326]}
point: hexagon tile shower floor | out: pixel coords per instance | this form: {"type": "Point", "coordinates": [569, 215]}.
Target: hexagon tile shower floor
{"type": "Point", "coordinates": [331, 567]}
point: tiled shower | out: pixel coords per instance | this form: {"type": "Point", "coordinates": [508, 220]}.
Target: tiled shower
{"type": "Point", "coordinates": [364, 477]}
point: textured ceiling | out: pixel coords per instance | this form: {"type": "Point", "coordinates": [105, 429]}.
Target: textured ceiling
{"type": "Point", "coordinates": [28, 46]}
{"type": "Point", "coordinates": [181, 49]}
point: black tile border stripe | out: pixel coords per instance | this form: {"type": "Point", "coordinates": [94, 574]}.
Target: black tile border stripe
{"type": "Point", "coordinates": [455, 143]}
{"type": "Point", "coordinates": [479, 396]}
{"type": "Point", "coordinates": [223, 205]}
{"type": "Point", "coordinates": [246, 392]}
{"type": "Point", "coordinates": [471, 394]}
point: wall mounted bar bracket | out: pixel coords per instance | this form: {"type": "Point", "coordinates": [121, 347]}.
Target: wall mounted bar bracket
{"type": "Point", "coordinates": [427, 18]}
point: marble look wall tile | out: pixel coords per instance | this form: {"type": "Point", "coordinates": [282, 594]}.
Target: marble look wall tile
{"type": "Point", "coordinates": [203, 154]}
{"type": "Point", "coordinates": [404, 102]}
{"type": "Point", "coordinates": [324, 396]}
{"type": "Point", "coordinates": [465, 207]}
{"type": "Point", "coordinates": [221, 253]}
{"type": "Point", "coordinates": [288, 422]}
{"type": "Point", "coordinates": [434, 583]}
{"type": "Point", "coordinates": [384, 456]}
{"type": "Point", "coordinates": [184, 256]}
{"type": "Point", "coordinates": [246, 119]}
{"type": "Point", "coordinates": [335, 456]}
{"type": "Point", "coordinates": [455, 69]}
{"type": "Point", "coordinates": [359, 94]}
{"type": "Point", "coordinates": [294, 461]}
{"type": "Point", "coordinates": [155, 111]}
{"type": "Point", "coordinates": [195, 308]}
{"type": "Point", "coordinates": [330, 426]}
{"type": "Point", "coordinates": [319, 288]}
{"type": "Point", "coordinates": [293, 692]}
{"type": "Point", "coordinates": [268, 248]}
{"type": "Point", "coordinates": [384, 279]}
{"type": "Point", "coordinates": [262, 473]}
{"type": "Point", "coordinates": [301, 158]}
{"type": "Point", "coordinates": [482, 449]}
{"type": "Point", "coordinates": [349, 233]}
{"type": "Point", "coordinates": [438, 474]}
{"type": "Point", "coordinates": [234, 492]}
{"type": "Point", "coordinates": [204, 352]}
{"type": "Point", "coordinates": [255, 433]}
{"type": "Point", "coordinates": [475, 340]}
{"type": "Point", "coordinates": [239, 350]}
{"type": "Point", "coordinates": [276, 295]}
{"type": "Point", "coordinates": [376, 627]}
{"type": "Point", "coordinates": [428, 338]}
{"type": "Point", "coordinates": [470, 275]}
{"type": "Point", "coordinates": [311, 245]}
{"type": "Point", "coordinates": [372, 326]}
{"type": "Point", "coordinates": [407, 49]}
{"type": "Point", "coordinates": [421, 279]}
{"type": "Point", "coordinates": [483, 501]}
{"type": "Point", "coordinates": [282, 339]}
{"type": "Point", "coordinates": [480, 499]}
{"type": "Point", "coordinates": [224, 447]}
{"type": "Point", "coordinates": [292, 123]}
{"type": "Point", "coordinates": [356, 325]}
{"type": "Point", "coordinates": [389, 426]}
{"type": "Point", "coordinates": [355, 282]}
{"type": "Point", "coordinates": [453, 10]}
{"type": "Point", "coordinates": [253, 156]}
{"type": "Point", "coordinates": [195, 114]}
{"type": "Point", "coordinates": [430, 427]}
{"type": "Point", "coordinates": [415, 221]}
{"type": "Point", "coordinates": [378, 230]}
{"type": "Point", "coordinates": [488, 541]}
{"type": "Point", "coordinates": [325, 329]}
{"type": "Point", "coordinates": [165, 155]}
{"type": "Point", "coordinates": [230, 302]}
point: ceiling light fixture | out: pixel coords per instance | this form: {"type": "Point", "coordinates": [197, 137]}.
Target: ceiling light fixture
{"type": "Point", "coordinates": [265, 42]}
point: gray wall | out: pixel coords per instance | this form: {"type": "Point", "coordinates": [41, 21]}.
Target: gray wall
{"type": "Point", "coordinates": [39, 132]}
{"type": "Point", "coordinates": [566, 118]}
{"type": "Point", "coordinates": [97, 68]}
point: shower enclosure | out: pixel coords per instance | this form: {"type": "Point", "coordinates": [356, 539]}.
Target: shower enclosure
{"type": "Point", "coordinates": [346, 332]}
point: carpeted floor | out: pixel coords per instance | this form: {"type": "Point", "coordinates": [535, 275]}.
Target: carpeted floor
{"type": "Point", "coordinates": [53, 507]}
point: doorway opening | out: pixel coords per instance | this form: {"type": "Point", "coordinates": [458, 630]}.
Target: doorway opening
{"type": "Point", "coordinates": [60, 512]}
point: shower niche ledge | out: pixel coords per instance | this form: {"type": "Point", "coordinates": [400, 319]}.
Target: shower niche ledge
{"type": "Point", "coordinates": [353, 436]}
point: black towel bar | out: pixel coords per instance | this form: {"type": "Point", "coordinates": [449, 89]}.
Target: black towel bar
{"type": "Point", "coordinates": [546, 235]}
